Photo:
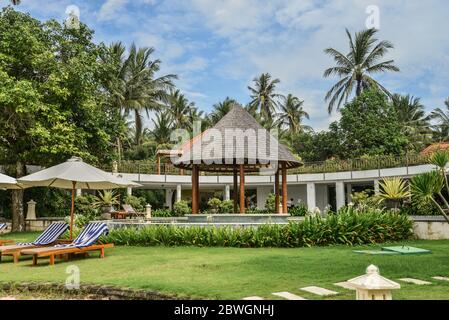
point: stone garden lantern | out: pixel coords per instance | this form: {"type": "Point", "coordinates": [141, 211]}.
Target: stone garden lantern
{"type": "Point", "coordinates": [372, 286]}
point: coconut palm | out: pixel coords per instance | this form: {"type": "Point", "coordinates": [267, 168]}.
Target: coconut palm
{"type": "Point", "coordinates": [441, 130]}
{"type": "Point", "coordinates": [178, 107]}
{"type": "Point", "coordinates": [394, 189]}
{"type": "Point", "coordinates": [355, 68]}
{"type": "Point", "coordinates": [291, 114]}
{"type": "Point", "coordinates": [135, 88]}
{"type": "Point", "coordinates": [426, 186]}
{"type": "Point", "coordinates": [162, 128]}
{"type": "Point", "coordinates": [264, 95]}
{"type": "Point", "coordinates": [413, 120]}
{"type": "Point", "coordinates": [221, 109]}
{"type": "Point", "coordinates": [16, 2]}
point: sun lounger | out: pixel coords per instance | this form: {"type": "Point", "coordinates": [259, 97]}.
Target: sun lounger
{"type": "Point", "coordinates": [128, 211]}
{"type": "Point", "coordinates": [3, 227]}
{"type": "Point", "coordinates": [48, 237]}
{"type": "Point", "coordinates": [84, 243]}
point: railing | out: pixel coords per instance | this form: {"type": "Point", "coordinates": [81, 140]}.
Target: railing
{"type": "Point", "coordinates": [374, 163]}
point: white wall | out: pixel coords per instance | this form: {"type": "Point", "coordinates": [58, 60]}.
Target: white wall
{"type": "Point", "coordinates": [262, 194]}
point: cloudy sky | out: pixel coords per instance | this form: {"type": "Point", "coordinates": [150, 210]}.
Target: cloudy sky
{"type": "Point", "coordinates": [218, 46]}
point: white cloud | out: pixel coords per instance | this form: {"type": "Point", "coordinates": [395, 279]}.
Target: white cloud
{"type": "Point", "coordinates": [111, 9]}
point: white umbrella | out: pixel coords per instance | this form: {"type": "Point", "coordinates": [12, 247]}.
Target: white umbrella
{"type": "Point", "coordinates": [73, 174]}
{"type": "Point", "coordinates": [7, 182]}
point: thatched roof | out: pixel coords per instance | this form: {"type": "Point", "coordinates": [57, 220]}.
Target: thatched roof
{"type": "Point", "coordinates": [236, 139]}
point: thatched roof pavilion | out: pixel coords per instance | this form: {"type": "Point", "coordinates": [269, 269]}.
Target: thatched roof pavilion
{"type": "Point", "coordinates": [237, 143]}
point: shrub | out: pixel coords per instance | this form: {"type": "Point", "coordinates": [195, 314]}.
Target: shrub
{"type": "Point", "coordinates": [270, 203]}
{"type": "Point", "coordinates": [137, 203]}
{"type": "Point", "coordinates": [257, 211]}
{"type": "Point", "coordinates": [84, 205]}
{"type": "Point", "coordinates": [214, 204]}
{"type": "Point", "coordinates": [300, 210]}
{"type": "Point", "coordinates": [181, 208]}
{"type": "Point", "coordinates": [348, 228]}
{"type": "Point", "coordinates": [162, 213]}
{"type": "Point", "coordinates": [227, 206]}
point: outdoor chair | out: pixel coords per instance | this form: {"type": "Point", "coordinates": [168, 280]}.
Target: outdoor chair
{"type": "Point", "coordinates": [84, 243]}
{"type": "Point", "coordinates": [3, 227]}
{"type": "Point", "coordinates": [128, 211]}
{"type": "Point", "coordinates": [48, 237]}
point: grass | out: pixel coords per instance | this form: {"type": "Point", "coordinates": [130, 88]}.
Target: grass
{"type": "Point", "coordinates": [234, 273]}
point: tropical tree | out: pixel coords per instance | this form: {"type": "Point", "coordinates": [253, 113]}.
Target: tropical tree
{"type": "Point", "coordinates": [440, 159]}
{"type": "Point", "coordinates": [264, 96]}
{"type": "Point", "coordinates": [178, 107]}
{"type": "Point", "coordinates": [136, 88]}
{"type": "Point", "coordinates": [16, 2]}
{"type": "Point", "coordinates": [441, 129]}
{"type": "Point", "coordinates": [393, 189]}
{"type": "Point", "coordinates": [219, 110]}
{"type": "Point", "coordinates": [291, 114]}
{"type": "Point", "coordinates": [163, 127]}
{"type": "Point", "coordinates": [355, 68]}
{"type": "Point", "coordinates": [413, 120]}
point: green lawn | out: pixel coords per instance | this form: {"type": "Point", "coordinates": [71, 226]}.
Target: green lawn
{"type": "Point", "coordinates": [234, 273]}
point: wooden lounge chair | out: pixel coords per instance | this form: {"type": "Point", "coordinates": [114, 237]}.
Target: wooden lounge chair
{"type": "Point", "coordinates": [128, 211]}
{"type": "Point", "coordinates": [48, 237]}
{"type": "Point", "coordinates": [3, 227]}
{"type": "Point", "coordinates": [83, 244]}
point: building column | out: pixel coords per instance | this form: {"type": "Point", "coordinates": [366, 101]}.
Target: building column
{"type": "Point", "coordinates": [376, 186]}
{"type": "Point", "coordinates": [348, 193]}
{"type": "Point", "coordinates": [227, 193]}
{"type": "Point", "coordinates": [195, 191]}
{"type": "Point", "coordinates": [178, 192]}
{"type": "Point", "coordinates": [236, 194]}
{"type": "Point", "coordinates": [276, 192]}
{"type": "Point", "coordinates": [284, 188]}
{"type": "Point", "coordinates": [242, 189]}
{"type": "Point", "coordinates": [78, 192]}
{"type": "Point", "coordinates": [340, 194]}
{"type": "Point", "coordinates": [168, 198]}
{"type": "Point", "coordinates": [311, 196]}
{"type": "Point", "coordinates": [129, 191]}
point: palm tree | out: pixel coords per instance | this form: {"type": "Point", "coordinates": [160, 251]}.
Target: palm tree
{"type": "Point", "coordinates": [178, 107]}
{"type": "Point", "coordinates": [162, 128]}
{"type": "Point", "coordinates": [196, 115]}
{"type": "Point", "coordinates": [263, 96]}
{"type": "Point", "coordinates": [413, 120]}
{"type": "Point", "coordinates": [221, 109]}
{"type": "Point", "coordinates": [354, 69]}
{"type": "Point", "coordinates": [292, 113]}
{"type": "Point", "coordinates": [16, 2]}
{"type": "Point", "coordinates": [393, 189]}
{"type": "Point", "coordinates": [441, 130]}
{"type": "Point", "coordinates": [135, 87]}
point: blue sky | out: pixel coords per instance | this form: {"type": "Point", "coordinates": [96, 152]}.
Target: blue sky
{"type": "Point", "coordinates": [218, 46]}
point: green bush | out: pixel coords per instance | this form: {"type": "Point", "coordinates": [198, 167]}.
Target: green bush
{"type": "Point", "coordinates": [162, 213]}
{"type": "Point", "coordinates": [181, 208]}
{"type": "Point", "coordinates": [137, 203]}
{"type": "Point", "coordinates": [214, 204]}
{"type": "Point", "coordinates": [419, 209]}
{"type": "Point", "coordinates": [300, 210]}
{"type": "Point", "coordinates": [348, 228]}
{"type": "Point", "coordinates": [227, 206]}
{"type": "Point", "coordinates": [270, 203]}
{"type": "Point", "coordinates": [257, 211]}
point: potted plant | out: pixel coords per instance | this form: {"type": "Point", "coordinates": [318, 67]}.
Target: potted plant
{"type": "Point", "coordinates": [214, 203]}
{"type": "Point", "coordinates": [106, 201]}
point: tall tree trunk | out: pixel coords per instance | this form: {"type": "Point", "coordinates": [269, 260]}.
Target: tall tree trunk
{"type": "Point", "coordinates": [138, 123]}
{"type": "Point", "coordinates": [18, 219]}
{"type": "Point", "coordinates": [358, 90]}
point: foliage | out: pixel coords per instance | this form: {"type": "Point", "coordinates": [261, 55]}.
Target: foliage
{"type": "Point", "coordinates": [359, 132]}
{"type": "Point", "coordinates": [181, 208]}
{"type": "Point", "coordinates": [355, 68]}
{"type": "Point", "coordinates": [270, 203]}
{"type": "Point", "coordinates": [162, 213]}
{"type": "Point", "coordinates": [84, 205]}
{"type": "Point", "coordinates": [394, 189]}
{"type": "Point", "coordinates": [292, 114]}
{"type": "Point", "coordinates": [138, 203]}
{"type": "Point", "coordinates": [441, 129]}
{"type": "Point", "coordinates": [365, 200]}
{"type": "Point", "coordinates": [227, 206]}
{"type": "Point", "coordinates": [214, 203]}
{"type": "Point", "coordinates": [263, 96]}
{"type": "Point", "coordinates": [417, 208]}
{"type": "Point", "coordinates": [349, 228]}
{"type": "Point", "coordinates": [106, 198]}
{"type": "Point", "coordinates": [299, 210]}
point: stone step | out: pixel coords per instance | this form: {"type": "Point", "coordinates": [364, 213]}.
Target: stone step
{"type": "Point", "coordinates": [415, 281]}
{"type": "Point", "coordinates": [288, 295]}
{"type": "Point", "coordinates": [344, 285]}
{"type": "Point", "coordinates": [253, 298]}
{"type": "Point", "coordinates": [319, 291]}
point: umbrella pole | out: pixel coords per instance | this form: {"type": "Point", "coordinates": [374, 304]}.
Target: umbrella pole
{"type": "Point", "coordinates": [72, 210]}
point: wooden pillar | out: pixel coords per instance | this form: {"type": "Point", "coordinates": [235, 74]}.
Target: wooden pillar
{"type": "Point", "coordinates": [276, 192]}
{"type": "Point", "coordinates": [242, 189]}
{"type": "Point", "coordinates": [158, 157]}
{"type": "Point", "coordinates": [236, 194]}
{"type": "Point", "coordinates": [284, 188]}
{"type": "Point", "coordinates": [195, 191]}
